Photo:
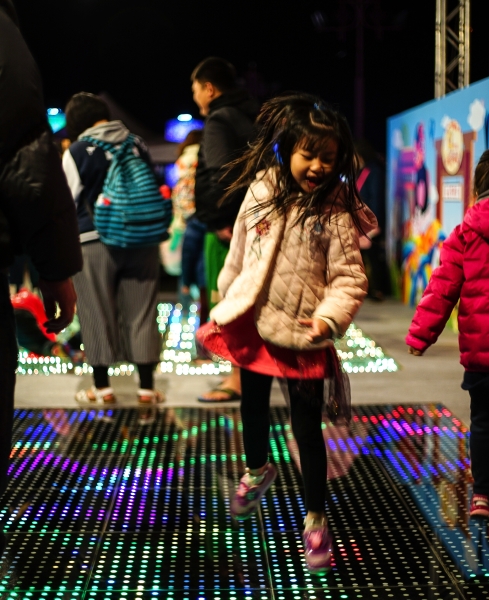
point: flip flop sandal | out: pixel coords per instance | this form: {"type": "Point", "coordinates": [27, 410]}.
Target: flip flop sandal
{"type": "Point", "coordinates": [147, 415]}
{"type": "Point", "coordinates": [154, 397]}
{"type": "Point", "coordinates": [231, 395]}
{"type": "Point", "coordinates": [101, 397]}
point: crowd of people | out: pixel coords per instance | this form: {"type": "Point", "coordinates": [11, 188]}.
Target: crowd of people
{"type": "Point", "coordinates": [277, 211]}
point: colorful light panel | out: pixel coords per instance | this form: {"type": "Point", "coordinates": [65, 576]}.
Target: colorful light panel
{"type": "Point", "coordinates": [109, 505]}
{"type": "Point", "coordinates": [177, 325]}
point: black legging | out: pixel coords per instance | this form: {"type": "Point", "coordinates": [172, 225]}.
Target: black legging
{"type": "Point", "coordinates": [146, 377]}
{"type": "Point", "coordinates": [479, 432]}
{"type": "Point", "coordinates": [305, 416]}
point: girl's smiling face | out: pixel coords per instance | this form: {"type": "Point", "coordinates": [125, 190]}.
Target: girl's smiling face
{"type": "Point", "coordinates": [310, 167]}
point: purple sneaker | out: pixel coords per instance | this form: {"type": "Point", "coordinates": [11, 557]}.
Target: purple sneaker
{"type": "Point", "coordinates": [318, 546]}
{"type": "Point", "coordinates": [248, 495]}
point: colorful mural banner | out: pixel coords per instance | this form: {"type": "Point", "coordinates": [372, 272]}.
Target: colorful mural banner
{"type": "Point", "coordinates": [432, 151]}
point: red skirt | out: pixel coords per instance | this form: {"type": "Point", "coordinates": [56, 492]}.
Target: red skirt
{"type": "Point", "coordinates": [240, 343]}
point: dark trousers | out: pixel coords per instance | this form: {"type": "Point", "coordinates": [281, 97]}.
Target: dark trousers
{"type": "Point", "coordinates": [117, 298]}
{"type": "Point", "coordinates": [8, 364]}
{"type": "Point", "coordinates": [193, 270]}
{"type": "Point", "coordinates": [306, 417]}
{"type": "Point", "coordinates": [479, 436]}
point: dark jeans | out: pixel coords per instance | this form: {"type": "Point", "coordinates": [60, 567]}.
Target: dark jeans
{"type": "Point", "coordinates": [306, 418]}
{"type": "Point", "coordinates": [193, 254]}
{"type": "Point", "coordinates": [8, 365]}
{"type": "Point", "coordinates": [479, 436]}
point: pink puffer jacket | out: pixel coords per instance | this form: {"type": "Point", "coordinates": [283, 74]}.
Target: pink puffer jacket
{"type": "Point", "coordinates": [463, 273]}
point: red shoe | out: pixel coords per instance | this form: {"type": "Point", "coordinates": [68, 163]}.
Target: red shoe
{"type": "Point", "coordinates": [479, 506]}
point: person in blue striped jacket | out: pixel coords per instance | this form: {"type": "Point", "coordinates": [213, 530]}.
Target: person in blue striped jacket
{"type": "Point", "coordinates": [117, 288]}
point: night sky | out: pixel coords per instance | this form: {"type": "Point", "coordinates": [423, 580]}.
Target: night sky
{"type": "Point", "coordinates": [142, 52]}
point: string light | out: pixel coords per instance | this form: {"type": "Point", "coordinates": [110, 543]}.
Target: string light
{"type": "Point", "coordinates": [360, 354]}
{"type": "Point", "coordinates": [177, 327]}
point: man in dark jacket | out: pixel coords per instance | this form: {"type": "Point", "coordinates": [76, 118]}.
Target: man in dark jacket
{"type": "Point", "coordinates": [230, 113]}
{"type": "Point", "coordinates": [37, 215]}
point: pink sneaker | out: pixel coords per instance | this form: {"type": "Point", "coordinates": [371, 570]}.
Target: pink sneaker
{"type": "Point", "coordinates": [318, 545]}
{"type": "Point", "coordinates": [479, 506]}
{"type": "Point", "coordinates": [249, 493]}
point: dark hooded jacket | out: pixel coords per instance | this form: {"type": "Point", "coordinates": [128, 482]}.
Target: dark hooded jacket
{"type": "Point", "coordinates": [228, 128]}
{"type": "Point", "coordinates": [37, 214]}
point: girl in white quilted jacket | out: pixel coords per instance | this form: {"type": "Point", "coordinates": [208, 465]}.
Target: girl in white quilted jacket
{"type": "Point", "coordinates": [293, 280]}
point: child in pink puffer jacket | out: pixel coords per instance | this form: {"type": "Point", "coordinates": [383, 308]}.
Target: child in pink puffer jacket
{"type": "Point", "coordinates": [464, 275]}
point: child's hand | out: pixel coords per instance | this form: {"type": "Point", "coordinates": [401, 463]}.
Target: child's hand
{"type": "Point", "coordinates": [415, 352]}
{"type": "Point", "coordinates": [318, 331]}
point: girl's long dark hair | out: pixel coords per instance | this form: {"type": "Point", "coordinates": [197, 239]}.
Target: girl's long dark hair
{"type": "Point", "coordinates": [286, 123]}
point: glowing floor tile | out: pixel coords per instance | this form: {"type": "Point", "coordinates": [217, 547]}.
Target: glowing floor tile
{"type": "Point", "coordinates": [361, 499]}
{"type": "Point", "coordinates": [158, 489]}
{"type": "Point", "coordinates": [52, 510]}
{"type": "Point", "coordinates": [173, 561]}
{"type": "Point", "coordinates": [81, 432]}
{"type": "Point", "coordinates": [181, 595]}
{"type": "Point", "coordinates": [43, 595]}
{"type": "Point", "coordinates": [361, 558]}
{"type": "Point", "coordinates": [465, 550]}
{"type": "Point", "coordinates": [45, 562]}
{"type": "Point", "coordinates": [46, 468]}
{"type": "Point", "coordinates": [368, 593]}
{"type": "Point", "coordinates": [176, 509]}
{"type": "Point", "coordinates": [193, 448]}
{"type": "Point", "coordinates": [475, 592]}
{"type": "Point", "coordinates": [419, 443]}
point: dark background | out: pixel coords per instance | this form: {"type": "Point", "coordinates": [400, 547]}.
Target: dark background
{"type": "Point", "coordinates": [142, 52]}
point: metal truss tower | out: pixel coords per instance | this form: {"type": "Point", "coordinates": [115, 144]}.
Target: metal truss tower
{"type": "Point", "coordinates": [452, 59]}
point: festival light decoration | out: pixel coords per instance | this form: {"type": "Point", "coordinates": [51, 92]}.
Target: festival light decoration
{"type": "Point", "coordinates": [177, 326]}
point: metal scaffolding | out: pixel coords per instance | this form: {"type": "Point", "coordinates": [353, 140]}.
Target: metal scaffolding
{"type": "Point", "coordinates": [452, 59]}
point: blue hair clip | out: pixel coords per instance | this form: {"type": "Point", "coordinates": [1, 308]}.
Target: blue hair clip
{"type": "Point", "coordinates": [277, 153]}
{"type": "Point", "coordinates": [318, 106]}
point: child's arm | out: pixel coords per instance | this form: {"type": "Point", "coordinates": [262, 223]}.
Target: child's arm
{"type": "Point", "coordinates": [347, 283]}
{"type": "Point", "coordinates": [440, 296]}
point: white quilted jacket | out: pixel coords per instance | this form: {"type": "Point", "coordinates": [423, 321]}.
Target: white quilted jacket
{"type": "Point", "coordinates": [285, 273]}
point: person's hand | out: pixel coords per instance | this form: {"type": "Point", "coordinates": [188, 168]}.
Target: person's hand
{"type": "Point", "coordinates": [318, 330]}
{"type": "Point", "coordinates": [225, 234]}
{"type": "Point", "coordinates": [415, 352]}
{"type": "Point", "coordinates": [60, 293]}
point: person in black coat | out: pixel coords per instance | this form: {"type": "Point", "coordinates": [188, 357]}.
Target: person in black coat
{"type": "Point", "coordinates": [37, 214]}
{"type": "Point", "coordinates": [230, 114]}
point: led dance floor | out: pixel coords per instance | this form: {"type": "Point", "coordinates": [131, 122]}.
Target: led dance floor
{"type": "Point", "coordinates": [130, 504]}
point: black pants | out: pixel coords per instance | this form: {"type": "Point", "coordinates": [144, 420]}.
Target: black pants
{"type": "Point", "coordinates": [8, 364]}
{"type": "Point", "coordinates": [306, 418]}
{"type": "Point", "coordinates": [479, 436]}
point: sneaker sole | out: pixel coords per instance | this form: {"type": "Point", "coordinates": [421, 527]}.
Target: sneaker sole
{"type": "Point", "coordinates": [319, 571]}
{"type": "Point", "coordinates": [480, 513]}
{"type": "Point", "coordinates": [320, 568]}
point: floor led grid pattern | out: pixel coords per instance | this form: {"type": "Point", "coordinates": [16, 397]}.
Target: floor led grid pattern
{"type": "Point", "coordinates": [133, 504]}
